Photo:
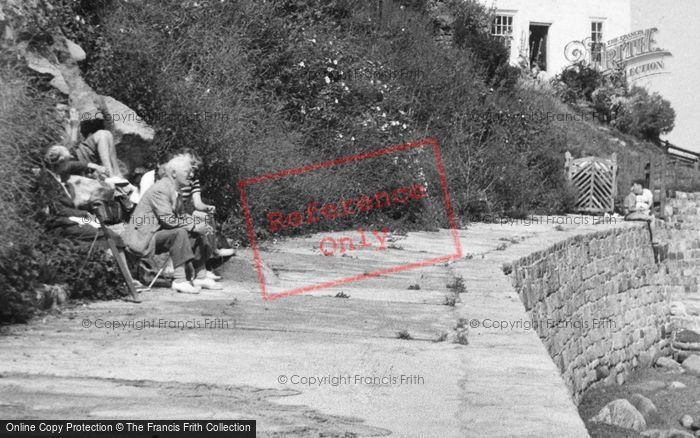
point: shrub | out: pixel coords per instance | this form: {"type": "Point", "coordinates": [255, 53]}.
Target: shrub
{"type": "Point", "coordinates": [635, 112]}
{"type": "Point", "coordinates": [96, 277]}
{"type": "Point", "coordinates": [27, 124]}
{"type": "Point", "coordinates": [54, 260]}
{"type": "Point", "coordinates": [18, 280]}
{"type": "Point", "coordinates": [471, 31]}
{"type": "Point", "coordinates": [607, 98]}
{"type": "Point", "coordinates": [578, 82]}
{"type": "Point", "coordinates": [645, 115]}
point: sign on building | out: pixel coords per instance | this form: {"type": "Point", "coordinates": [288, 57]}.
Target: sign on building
{"type": "Point", "coordinates": [636, 53]}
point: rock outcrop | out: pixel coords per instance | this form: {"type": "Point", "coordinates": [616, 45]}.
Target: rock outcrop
{"type": "Point", "coordinates": [692, 364]}
{"type": "Point", "coordinates": [60, 60]}
{"type": "Point", "coordinates": [621, 413]}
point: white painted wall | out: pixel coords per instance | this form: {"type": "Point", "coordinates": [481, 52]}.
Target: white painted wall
{"type": "Point", "coordinates": [676, 23]}
{"type": "Point", "coordinates": [570, 21]}
{"type": "Point", "coordinates": [675, 19]}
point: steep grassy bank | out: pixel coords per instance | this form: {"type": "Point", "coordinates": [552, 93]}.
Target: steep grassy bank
{"type": "Point", "coordinates": [257, 87]}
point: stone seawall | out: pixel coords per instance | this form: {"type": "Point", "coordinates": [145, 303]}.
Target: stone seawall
{"type": "Point", "coordinates": [681, 232]}
{"type": "Point", "coordinates": [600, 303]}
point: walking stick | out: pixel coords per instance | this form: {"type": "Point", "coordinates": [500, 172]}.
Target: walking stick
{"type": "Point", "coordinates": [158, 274]}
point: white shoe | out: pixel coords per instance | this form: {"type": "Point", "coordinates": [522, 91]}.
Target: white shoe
{"type": "Point", "coordinates": [212, 276]}
{"type": "Point", "coordinates": [207, 283]}
{"type": "Point", "coordinates": [184, 287]}
{"type": "Point", "coordinates": [225, 252]}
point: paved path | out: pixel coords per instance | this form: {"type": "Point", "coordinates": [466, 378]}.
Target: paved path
{"type": "Point", "coordinates": [502, 383]}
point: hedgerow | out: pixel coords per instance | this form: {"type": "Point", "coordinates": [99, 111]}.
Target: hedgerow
{"type": "Point", "coordinates": [293, 82]}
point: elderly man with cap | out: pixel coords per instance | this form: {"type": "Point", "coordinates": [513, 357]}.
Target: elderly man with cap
{"type": "Point", "coordinates": [155, 227]}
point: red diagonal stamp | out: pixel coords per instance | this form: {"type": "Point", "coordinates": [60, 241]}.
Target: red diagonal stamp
{"type": "Point", "coordinates": [318, 213]}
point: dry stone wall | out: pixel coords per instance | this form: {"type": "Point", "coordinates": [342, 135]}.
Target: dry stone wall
{"type": "Point", "coordinates": [600, 304]}
{"type": "Point", "coordinates": [681, 232]}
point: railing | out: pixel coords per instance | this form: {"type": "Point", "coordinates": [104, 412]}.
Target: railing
{"type": "Point", "coordinates": [682, 156]}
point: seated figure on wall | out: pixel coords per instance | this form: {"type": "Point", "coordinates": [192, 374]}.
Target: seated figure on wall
{"type": "Point", "coordinates": [638, 204]}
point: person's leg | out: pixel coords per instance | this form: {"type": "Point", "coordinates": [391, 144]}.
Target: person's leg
{"type": "Point", "coordinates": [107, 152]}
{"type": "Point", "coordinates": [82, 232]}
{"type": "Point", "coordinates": [177, 243]}
{"type": "Point", "coordinates": [203, 252]}
{"type": "Point", "coordinates": [212, 240]}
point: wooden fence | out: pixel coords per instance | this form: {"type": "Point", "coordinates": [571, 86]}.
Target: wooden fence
{"type": "Point", "coordinates": [675, 169]}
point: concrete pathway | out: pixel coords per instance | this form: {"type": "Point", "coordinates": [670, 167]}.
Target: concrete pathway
{"type": "Point", "coordinates": [246, 358]}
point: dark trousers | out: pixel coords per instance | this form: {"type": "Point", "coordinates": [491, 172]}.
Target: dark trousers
{"type": "Point", "coordinates": [182, 247]}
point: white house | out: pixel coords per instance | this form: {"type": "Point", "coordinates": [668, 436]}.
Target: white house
{"type": "Point", "coordinates": [649, 38]}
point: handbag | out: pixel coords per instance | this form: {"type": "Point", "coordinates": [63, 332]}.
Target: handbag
{"type": "Point", "coordinates": [109, 212]}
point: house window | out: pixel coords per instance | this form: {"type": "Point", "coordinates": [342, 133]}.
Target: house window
{"type": "Point", "coordinates": [596, 41]}
{"type": "Point", "coordinates": [502, 27]}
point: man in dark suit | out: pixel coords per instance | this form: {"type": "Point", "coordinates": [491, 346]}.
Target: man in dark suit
{"type": "Point", "coordinates": [156, 227]}
{"type": "Point", "coordinates": [56, 194]}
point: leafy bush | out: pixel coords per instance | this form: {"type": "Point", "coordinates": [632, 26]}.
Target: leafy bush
{"type": "Point", "coordinates": [96, 277]}
{"type": "Point", "coordinates": [27, 123]}
{"type": "Point", "coordinates": [18, 279]}
{"type": "Point", "coordinates": [645, 115]}
{"type": "Point", "coordinates": [578, 82]}
{"type": "Point", "coordinates": [633, 111]}
{"type": "Point", "coordinates": [609, 96]}
{"type": "Point", "coordinates": [472, 32]}
{"type": "Point", "coordinates": [54, 260]}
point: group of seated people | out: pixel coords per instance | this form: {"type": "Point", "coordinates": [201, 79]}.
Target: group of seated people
{"type": "Point", "coordinates": [169, 215]}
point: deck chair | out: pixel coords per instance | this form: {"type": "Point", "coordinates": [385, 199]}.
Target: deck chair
{"type": "Point", "coordinates": [118, 253]}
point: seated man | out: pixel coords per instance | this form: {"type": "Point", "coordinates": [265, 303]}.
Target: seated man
{"type": "Point", "coordinates": [60, 215]}
{"type": "Point", "coordinates": [155, 227]}
{"type": "Point", "coordinates": [54, 194]}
